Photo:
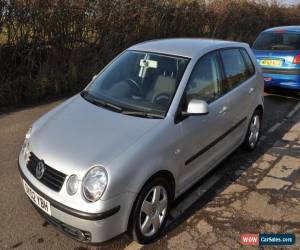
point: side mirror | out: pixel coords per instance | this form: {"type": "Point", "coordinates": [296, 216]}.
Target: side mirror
{"type": "Point", "coordinates": [196, 107]}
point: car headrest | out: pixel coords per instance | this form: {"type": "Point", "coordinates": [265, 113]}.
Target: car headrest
{"type": "Point", "coordinates": [165, 84]}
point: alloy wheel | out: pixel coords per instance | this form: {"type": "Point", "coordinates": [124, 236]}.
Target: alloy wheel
{"type": "Point", "coordinates": [254, 130]}
{"type": "Point", "coordinates": [153, 210]}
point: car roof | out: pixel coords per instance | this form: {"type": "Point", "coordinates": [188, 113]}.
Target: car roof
{"type": "Point", "coordinates": [295, 28]}
{"type": "Point", "coordinates": [186, 47]}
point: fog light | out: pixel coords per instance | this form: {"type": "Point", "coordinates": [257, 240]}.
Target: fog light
{"type": "Point", "coordinates": [72, 184]}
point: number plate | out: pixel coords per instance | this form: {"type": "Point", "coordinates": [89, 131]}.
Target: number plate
{"type": "Point", "coordinates": [270, 62]}
{"type": "Point", "coordinates": [37, 199]}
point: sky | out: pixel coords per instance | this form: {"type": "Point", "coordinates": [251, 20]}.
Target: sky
{"type": "Point", "coordinates": [289, 2]}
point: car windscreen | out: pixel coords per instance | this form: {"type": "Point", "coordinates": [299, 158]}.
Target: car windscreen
{"type": "Point", "coordinates": [277, 41]}
{"type": "Point", "coordinates": [139, 81]}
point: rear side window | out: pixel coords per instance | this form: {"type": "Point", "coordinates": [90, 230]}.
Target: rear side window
{"type": "Point", "coordinates": [249, 63]}
{"type": "Point", "coordinates": [277, 41]}
{"type": "Point", "coordinates": [235, 69]}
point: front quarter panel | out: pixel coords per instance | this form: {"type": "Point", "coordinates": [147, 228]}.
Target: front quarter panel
{"type": "Point", "coordinates": [151, 154]}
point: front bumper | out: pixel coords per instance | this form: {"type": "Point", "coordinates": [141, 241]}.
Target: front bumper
{"type": "Point", "coordinates": [87, 227]}
{"type": "Point", "coordinates": [75, 233]}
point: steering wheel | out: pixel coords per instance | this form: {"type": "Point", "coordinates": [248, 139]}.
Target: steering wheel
{"type": "Point", "coordinates": [162, 99]}
{"type": "Point", "coordinates": [134, 84]}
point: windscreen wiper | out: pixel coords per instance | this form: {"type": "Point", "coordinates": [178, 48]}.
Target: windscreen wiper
{"type": "Point", "coordinates": [143, 114]}
{"type": "Point", "coordinates": [116, 108]}
{"type": "Point", "coordinates": [99, 102]}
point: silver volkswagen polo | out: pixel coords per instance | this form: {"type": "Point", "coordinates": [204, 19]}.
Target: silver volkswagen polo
{"type": "Point", "coordinates": [160, 116]}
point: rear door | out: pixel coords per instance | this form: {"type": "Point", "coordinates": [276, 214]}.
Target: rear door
{"type": "Point", "coordinates": [238, 88]}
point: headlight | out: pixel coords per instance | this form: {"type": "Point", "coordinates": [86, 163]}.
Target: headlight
{"type": "Point", "coordinates": [94, 184]}
{"type": "Point", "coordinates": [72, 184]}
{"type": "Point", "coordinates": [25, 148]}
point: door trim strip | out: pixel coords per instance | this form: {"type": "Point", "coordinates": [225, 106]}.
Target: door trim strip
{"type": "Point", "coordinates": [209, 146]}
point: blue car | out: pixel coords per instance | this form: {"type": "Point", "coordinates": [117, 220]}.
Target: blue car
{"type": "Point", "coordinates": [277, 51]}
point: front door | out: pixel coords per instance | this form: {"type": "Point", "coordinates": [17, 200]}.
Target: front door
{"type": "Point", "coordinates": [202, 135]}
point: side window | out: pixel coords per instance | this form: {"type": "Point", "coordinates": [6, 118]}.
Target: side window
{"type": "Point", "coordinates": [249, 64]}
{"type": "Point", "coordinates": [204, 82]}
{"type": "Point", "coordinates": [235, 69]}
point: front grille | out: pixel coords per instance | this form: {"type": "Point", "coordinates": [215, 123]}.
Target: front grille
{"type": "Point", "coordinates": [51, 177]}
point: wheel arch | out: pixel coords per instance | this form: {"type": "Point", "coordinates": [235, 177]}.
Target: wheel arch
{"type": "Point", "coordinates": [260, 108]}
{"type": "Point", "coordinates": [161, 173]}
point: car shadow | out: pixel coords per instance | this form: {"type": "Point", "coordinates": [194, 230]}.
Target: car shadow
{"type": "Point", "coordinates": [284, 93]}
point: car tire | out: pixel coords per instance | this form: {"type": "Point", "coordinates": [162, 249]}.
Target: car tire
{"type": "Point", "coordinates": [253, 132]}
{"type": "Point", "coordinates": [151, 210]}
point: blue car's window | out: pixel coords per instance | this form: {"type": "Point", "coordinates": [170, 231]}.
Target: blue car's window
{"type": "Point", "coordinates": [235, 68]}
{"type": "Point", "coordinates": [139, 81]}
{"type": "Point", "coordinates": [204, 83]}
{"type": "Point", "coordinates": [277, 41]}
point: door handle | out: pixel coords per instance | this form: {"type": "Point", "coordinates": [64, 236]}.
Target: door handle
{"type": "Point", "coordinates": [223, 110]}
{"type": "Point", "coordinates": [251, 90]}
